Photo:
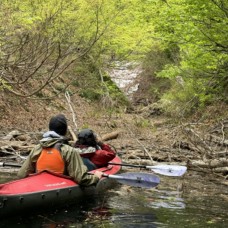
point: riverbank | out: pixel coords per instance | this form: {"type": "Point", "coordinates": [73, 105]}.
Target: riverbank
{"type": "Point", "coordinates": [144, 136]}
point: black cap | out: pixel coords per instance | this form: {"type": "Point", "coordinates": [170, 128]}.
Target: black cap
{"type": "Point", "coordinates": [86, 133]}
{"type": "Point", "coordinates": [58, 124]}
{"type": "Point", "coordinates": [87, 137]}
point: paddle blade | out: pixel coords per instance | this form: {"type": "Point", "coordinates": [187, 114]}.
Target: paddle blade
{"type": "Point", "coordinates": [143, 180]}
{"type": "Point", "coordinates": [169, 170]}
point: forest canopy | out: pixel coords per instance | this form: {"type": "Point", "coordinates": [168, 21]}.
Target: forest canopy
{"type": "Point", "coordinates": [77, 40]}
{"type": "Point", "coordinates": [199, 30]}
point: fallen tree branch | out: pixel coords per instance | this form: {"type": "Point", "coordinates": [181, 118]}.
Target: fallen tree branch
{"type": "Point", "coordinates": [218, 140]}
{"type": "Point", "coordinates": [74, 137]}
{"type": "Point", "coordinates": [221, 170]}
{"type": "Point", "coordinates": [110, 136]}
{"type": "Point", "coordinates": [198, 142]}
{"type": "Point", "coordinates": [215, 163]}
{"type": "Point", "coordinates": [67, 95]}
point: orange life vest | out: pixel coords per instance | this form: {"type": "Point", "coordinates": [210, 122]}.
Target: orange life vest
{"type": "Point", "coordinates": [50, 159]}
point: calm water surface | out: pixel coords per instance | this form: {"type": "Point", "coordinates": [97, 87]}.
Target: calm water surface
{"type": "Point", "coordinates": [176, 202]}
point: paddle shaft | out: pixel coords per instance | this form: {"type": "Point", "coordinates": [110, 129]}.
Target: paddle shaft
{"type": "Point", "coordinates": [129, 165]}
{"type": "Point", "coordinates": [167, 170]}
{"type": "Point", "coordinates": [116, 177]}
{"type": "Point", "coordinates": [4, 164]}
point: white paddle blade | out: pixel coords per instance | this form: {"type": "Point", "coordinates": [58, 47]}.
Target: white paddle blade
{"type": "Point", "coordinates": [143, 180]}
{"type": "Point", "coordinates": [169, 170]}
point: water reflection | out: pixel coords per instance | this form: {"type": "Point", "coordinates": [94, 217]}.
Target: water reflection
{"type": "Point", "coordinates": [126, 206]}
{"type": "Point", "coordinates": [7, 176]}
{"type": "Point", "coordinates": [167, 199]}
{"type": "Point", "coordinates": [68, 216]}
{"type": "Point", "coordinates": [135, 220]}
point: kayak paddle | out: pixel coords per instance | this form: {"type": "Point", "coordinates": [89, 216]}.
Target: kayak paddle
{"type": "Point", "coordinates": [167, 170]}
{"type": "Point", "coordinates": [143, 180]}
{"type": "Point", "coordinates": [3, 164]}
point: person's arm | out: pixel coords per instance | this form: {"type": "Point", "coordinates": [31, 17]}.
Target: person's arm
{"type": "Point", "coordinates": [103, 155]}
{"type": "Point", "coordinates": [76, 168]}
{"type": "Point", "coordinates": [85, 151]}
{"type": "Point", "coordinates": [107, 148]}
{"type": "Point", "coordinates": [28, 166]}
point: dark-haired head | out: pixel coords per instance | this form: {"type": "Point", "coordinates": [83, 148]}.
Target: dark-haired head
{"type": "Point", "coordinates": [58, 124]}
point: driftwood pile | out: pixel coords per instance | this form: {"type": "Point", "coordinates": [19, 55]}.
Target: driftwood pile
{"type": "Point", "coordinates": [15, 145]}
{"type": "Point", "coordinates": [200, 150]}
{"type": "Point", "coordinates": [210, 148]}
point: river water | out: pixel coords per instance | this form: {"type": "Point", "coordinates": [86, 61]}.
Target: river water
{"type": "Point", "coordinates": [124, 75]}
{"type": "Point", "coordinates": [190, 201]}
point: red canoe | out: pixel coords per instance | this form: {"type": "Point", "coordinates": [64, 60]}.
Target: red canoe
{"type": "Point", "coordinates": [46, 189]}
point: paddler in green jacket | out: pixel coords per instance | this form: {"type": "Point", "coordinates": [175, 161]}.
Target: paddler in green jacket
{"type": "Point", "coordinates": [53, 154]}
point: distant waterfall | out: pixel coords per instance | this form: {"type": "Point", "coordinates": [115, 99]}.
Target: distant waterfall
{"type": "Point", "coordinates": [125, 77]}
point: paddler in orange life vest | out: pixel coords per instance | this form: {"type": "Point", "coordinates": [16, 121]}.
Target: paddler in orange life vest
{"type": "Point", "coordinates": [55, 155]}
{"type": "Point", "coordinates": [95, 154]}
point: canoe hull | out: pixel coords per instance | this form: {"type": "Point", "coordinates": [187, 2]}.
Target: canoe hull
{"type": "Point", "coordinates": [47, 191]}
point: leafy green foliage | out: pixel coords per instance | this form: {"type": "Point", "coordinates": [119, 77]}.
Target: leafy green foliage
{"type": "Point", "coordinates": [40, 39]}
{"type": "Point", "coordinates": [151, 86]}
{"type": "Point", "coordinates": [199, 29]}
{"type": "Point", "coordinates": [44, 40]}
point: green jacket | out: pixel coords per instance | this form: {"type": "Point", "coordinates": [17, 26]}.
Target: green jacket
{"type": "Point", "coordinates": [74, 165]}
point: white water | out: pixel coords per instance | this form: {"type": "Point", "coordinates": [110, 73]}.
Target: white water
{"type": "Point", "coordinates": [125, 76]}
